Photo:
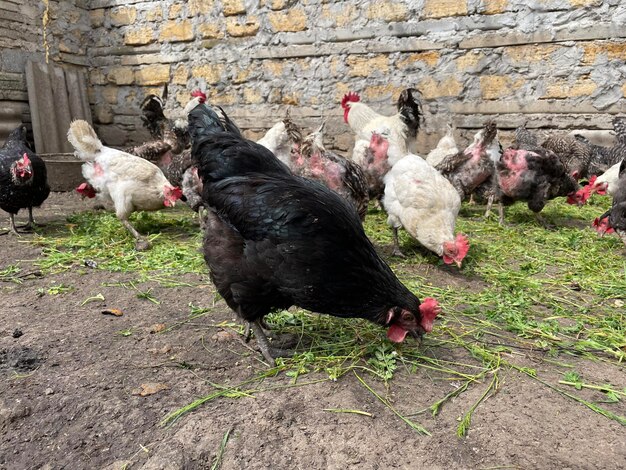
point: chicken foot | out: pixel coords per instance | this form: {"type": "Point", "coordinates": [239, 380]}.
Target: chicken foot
{"type": "Point", "coordinates": [13, 229]}
{"type": "Point", "coordinates": [269, 352]}
{"type": "Point", "coordinates": [31, 221]}
{"type": "Point", "coordinates": [286, 340]}
{"type": "Point", "coordinates": [622, 235]}
{"type": "Point", "coordinates": [142, 243]}
{"type": "Point", "coordinates": [396, 244]}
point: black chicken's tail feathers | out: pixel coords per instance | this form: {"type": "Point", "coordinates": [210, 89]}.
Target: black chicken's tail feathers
{"type": "Point", "coordinates": [410, 108]}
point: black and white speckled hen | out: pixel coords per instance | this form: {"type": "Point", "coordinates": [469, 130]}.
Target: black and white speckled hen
{"type": "Point", "coordinates": [23, 178]}
{"type": "Point", "coordinates": [469, 169]}
{"type": "Point", "coordinates": [309, 158]}
{"type": "Point", "coordinates": [275, 239]}
{"type": "Point", "coordinates": [533, 176]}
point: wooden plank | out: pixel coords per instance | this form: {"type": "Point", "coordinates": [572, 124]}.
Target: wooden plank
{"type": "Point", "coordinates": [56, 96]}
{"type": "Point", "coordinates": [61, 105]}
{"type": "Point", "coordinates": [41, 107]}
{"type": "Point", "coordinates": [76, 82]}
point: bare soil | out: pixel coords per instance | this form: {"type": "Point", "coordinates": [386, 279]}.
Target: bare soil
{"type": "Point", "coordinates": [68, 384]}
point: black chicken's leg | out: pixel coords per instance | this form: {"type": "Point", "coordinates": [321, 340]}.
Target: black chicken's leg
{"type": "Point", "coordinates": [13, 229]}
{"type": "Point", "coordinates": [269, 352]}
{"type": "Point", "coordinates": [31, 221]}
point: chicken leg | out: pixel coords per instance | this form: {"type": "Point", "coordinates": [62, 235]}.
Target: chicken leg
{"type": "Point", "coordinates": [142, 243]}
{"type": "Point", "coordinates": [396, 244]}
{"type": "Point", "coordinates": [269, 352]}
{"type": "Point", "coordinates": [31, 221]}
{"type": "Point", "coordinates": [13, 229]}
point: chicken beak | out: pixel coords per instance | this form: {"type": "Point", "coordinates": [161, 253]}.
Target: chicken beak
{"type": "Point", "coordinates": [458, 263]}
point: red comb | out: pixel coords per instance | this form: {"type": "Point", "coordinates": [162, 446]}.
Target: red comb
{"type": "Point", "coordinates": [429, 309]}
{"type": "Point", "coordinates": [199, 94]}
{"type": "Point", "coordinates": [602, 226]}
{"type": "Point", "coordinates": [350, 97]}
{"type": "Point", "coordinates": [462, 244]}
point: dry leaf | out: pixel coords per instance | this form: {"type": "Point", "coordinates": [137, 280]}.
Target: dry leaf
{"type": "Point", "coordinates": [164, 350]}
{"type": "Point", "coordinates": [113, 311]}
{"type": "Point", "coordinates": [149, 389]}
{"type": "Point", "coordinates": [222, 336]}
{"type": "Point", "coordinates": [157, 328]}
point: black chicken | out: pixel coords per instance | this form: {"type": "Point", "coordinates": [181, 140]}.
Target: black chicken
{"type": "Point", "coordinates": [617, 213]}
{"type": "Point", "coordinates": [274, 240]}
{"type": "Point", "coordinates": [23, 178]}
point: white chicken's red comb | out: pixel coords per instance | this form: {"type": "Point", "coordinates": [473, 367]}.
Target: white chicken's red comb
{"type": "Point", "coordinates": [199, 94]}
{"type": "Point", "coordinates": [350, 97]}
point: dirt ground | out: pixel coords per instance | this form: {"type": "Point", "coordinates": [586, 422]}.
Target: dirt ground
{"type": "Point", "coordinates": [68, 384]}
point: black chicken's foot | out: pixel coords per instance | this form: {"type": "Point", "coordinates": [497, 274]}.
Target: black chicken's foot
{"type": "Point", "coordinates": [543, 222]}
{"type": "Point", "coordinates": [13, 229]}
{"type": "Point", "coordinates": [269, 352]}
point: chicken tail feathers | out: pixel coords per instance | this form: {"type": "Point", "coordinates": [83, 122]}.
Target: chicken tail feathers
{"type": "Point", "coordinates": [84, 140]}
{"type": "Point", "coordinates": [410, 109]}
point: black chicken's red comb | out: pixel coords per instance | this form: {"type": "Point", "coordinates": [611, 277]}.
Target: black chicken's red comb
{"type": "Point", "coordinates": [350, 97]}
{"type": "Point", "coordinates": [199, 94]}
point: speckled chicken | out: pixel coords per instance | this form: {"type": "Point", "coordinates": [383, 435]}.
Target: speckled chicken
{"type": "Point", "coordinates": [468, 169]}
{"type": "Point", "coordinates": [310, 159]}
{"type": "Point", "coordinates": [23, 178]}
{"type": "Point", "coordinates": [445, 148]}
{"type": "Point", "coordinates": [532, 176]}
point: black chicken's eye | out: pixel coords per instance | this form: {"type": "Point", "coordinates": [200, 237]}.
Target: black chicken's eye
{"type": "Point", "coordinates": [407, 316]}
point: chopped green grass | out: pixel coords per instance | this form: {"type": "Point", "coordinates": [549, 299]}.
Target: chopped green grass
{"type": "Point", "coordinates": [525, 294]}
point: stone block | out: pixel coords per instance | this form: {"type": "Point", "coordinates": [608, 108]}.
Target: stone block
{"type": "Point", "coordinates": [139, 36]}
{"type": "Point", "coordinates": [388, 11]}
{"type": "Point", "coordinates": [430, 58]}
{"type": "Point", "coordinates": [624, 89]}
{"type": "Point", "coordinates": [233, 7]}
{"type": "Point", "coordinates": [210, 31]}
{"type": "Point", "coordinates": [212, 73]}
{"type": "Point", "coordinates": [200, 7]}
{"type": "Point", "coordinates": [110, 94]}
{"type": "Point", "coordinates": [432, 89]}
{"type": "Point", "coordinates": [154, 13]}
{"type": "Point", "coordinates": [612, 50]}
{"type": "Point", "coordinates": [252, 95]}
{"type": "Point", "coordinates": [585, 3]}
{"type": "Point", "coordinates": [156, 74]}
{"type": "Point", "coordinates": [102, 114]}
{"type": "Point", "coordinates": [364, 66]}
{"type": "Point", "coordinates": [273, 68]}
{"type": "Point", "coordinates": [236, 29]}
{"type": "Point", "coordinates": [173, 31]}
{"type": "Point", "coordinates": [175, 11]}
{"type": "Point", "coordinates": [181, 73]}
{"type": "Point", "coordinates": [469, 60]}
{"type": "Point", "coordinates": [96, 17]}
{"type": "Point", "coordinates": [288, 21]}
{"type": "Point", "coordinates": [123, 16]}
{"type": "Point", "coordinates": [341, 15]}
{"type": "Point", "coordinates": [563, 89]}
{"type": "Point", "coordinates": [494, 7]}
{"type": "Point", "coordinates": [530, 53]}
{"type": "Point", "coordinates": [493, 87]}
{"type": "Point", "coordinates": [377, 92]}
{"type": "Point", "coordinates": [444, 8]}
{"type": "Point", "coordinates": [121, 75]}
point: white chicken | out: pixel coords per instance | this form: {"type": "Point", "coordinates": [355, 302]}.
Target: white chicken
{"type": "Point", "coordinates": [401, 128]}
{"type": "Point", "coordinates": [418, 198]}
{"type": "Point", "coordinates": [130, 183]}
{"type": "Point", "coordinates": [445, 147]}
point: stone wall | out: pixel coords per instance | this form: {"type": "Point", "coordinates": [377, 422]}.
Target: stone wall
{"type": "Point", "coordinates": [22, 26]}
{"type": "Point", "coordinates": [555, 63]}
